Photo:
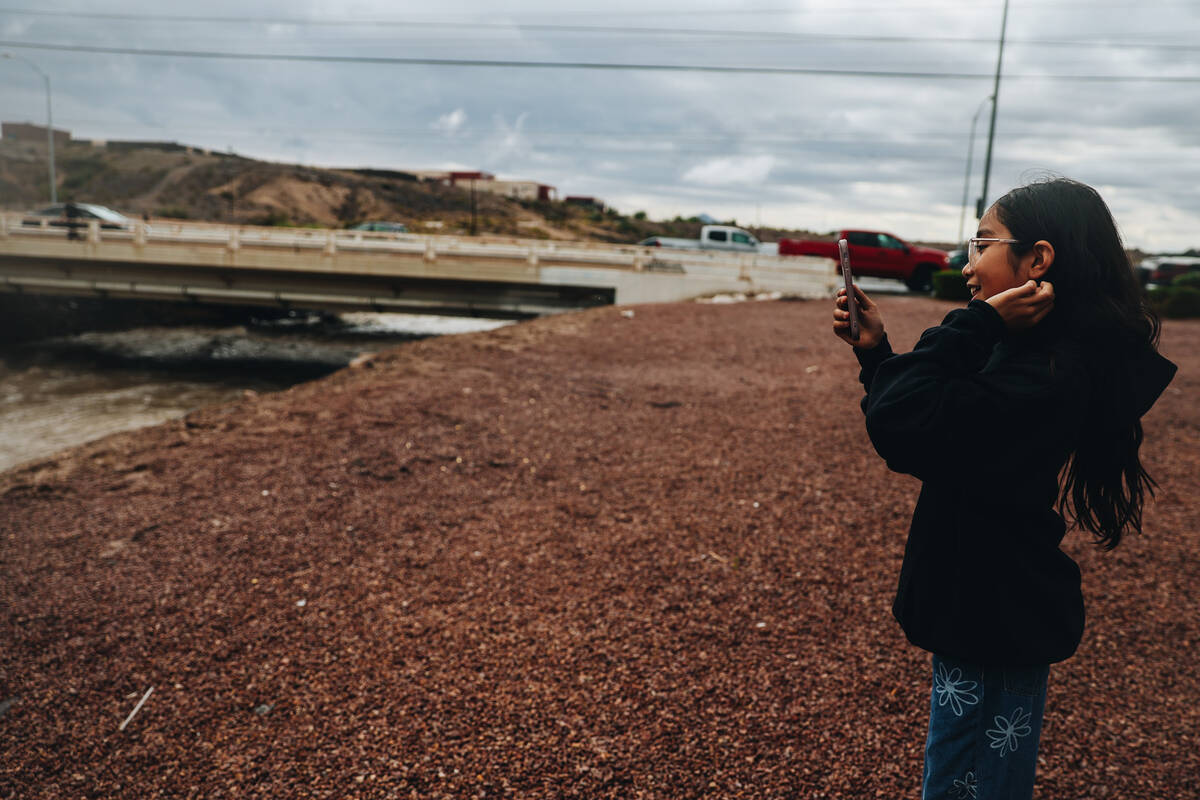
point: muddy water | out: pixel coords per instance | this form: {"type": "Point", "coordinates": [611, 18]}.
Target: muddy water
{"type": "Point", "coordinates": [62, 392]}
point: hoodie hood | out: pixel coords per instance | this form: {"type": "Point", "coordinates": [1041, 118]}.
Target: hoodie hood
{"type": "Point", "coordinates": [1150, 373]}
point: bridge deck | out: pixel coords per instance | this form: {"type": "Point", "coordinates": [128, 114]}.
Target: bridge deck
{"type": "Point", "coordinates": [198, 262]}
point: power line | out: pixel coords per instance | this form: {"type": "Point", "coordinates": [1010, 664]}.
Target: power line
{"type": "Point", "coordinates": [586, 65]}
{"type": "Point", "coordinates": [841, 9]}
{"type": "Point", "coordinates": [674, 32]}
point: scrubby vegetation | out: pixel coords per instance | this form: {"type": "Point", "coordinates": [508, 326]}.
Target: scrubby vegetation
{"type": "Point", "coordinates": [179, 183]}
{"type": "Point", "coordinates": [1176, 301]}
{"type": "Point", "coordinates": [949, 284]}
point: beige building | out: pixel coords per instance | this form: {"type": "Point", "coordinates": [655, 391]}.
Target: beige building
{"type": "Point", "coordinates": [486, 182]}
{"type": "Point", "coordinates": [519, 190]}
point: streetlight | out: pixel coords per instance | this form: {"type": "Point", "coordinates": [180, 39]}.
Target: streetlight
{"type": "Point", "coordinates": [473, 229]}
{"type": "Point", "coordinates": [987, 164]}
{"type": "Point", "coordinates": [962, 217]}
{"type": "Point", "coordinates": [49, 121]}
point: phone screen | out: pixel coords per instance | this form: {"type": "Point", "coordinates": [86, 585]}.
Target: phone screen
{"type": "Point", "coordinates": [851, 300]}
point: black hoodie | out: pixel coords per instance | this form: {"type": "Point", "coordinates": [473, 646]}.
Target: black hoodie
{"type": "Point", "coordinates": [987, 419]}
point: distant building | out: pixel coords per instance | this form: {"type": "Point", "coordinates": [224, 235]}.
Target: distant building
{"type": "Point", "coordinates": [34, 134]}
{"type": "Point", "coordinates": [519, 190]}
{"type": "Point", "coordinates": [431, 175]}
{"type": "Point", "coordinates": [482, 181]}
{"type": "Point", "coordinates": [450, 178]}
{"type": "Point", "coordinates": [456, 178]}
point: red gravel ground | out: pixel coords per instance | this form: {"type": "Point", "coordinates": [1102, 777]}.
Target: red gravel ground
{"type": "Point", "coordinates": [589, 556]}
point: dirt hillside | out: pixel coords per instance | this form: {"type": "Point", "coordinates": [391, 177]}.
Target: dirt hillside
{"type": "Point", "coordinates": [187, 183]}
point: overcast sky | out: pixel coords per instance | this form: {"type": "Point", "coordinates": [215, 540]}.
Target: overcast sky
{"type": "Point", "coordinates": [799, 149]}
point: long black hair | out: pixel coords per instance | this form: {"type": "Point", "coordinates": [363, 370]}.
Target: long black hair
{"type": "Point", "coordinates": [1099, 306]}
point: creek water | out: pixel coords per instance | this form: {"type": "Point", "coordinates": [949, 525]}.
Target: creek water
{"type": "Point", "coordinates": [57, 393]}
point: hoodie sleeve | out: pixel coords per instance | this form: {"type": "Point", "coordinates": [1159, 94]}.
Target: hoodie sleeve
{"type": "Point", "coordinates": [870, 360]}
{"type": "Point", "coordinates": [947, 410]}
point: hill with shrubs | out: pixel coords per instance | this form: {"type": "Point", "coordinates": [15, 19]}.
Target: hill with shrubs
{"type": "Point", "coordinates": [179, 182]}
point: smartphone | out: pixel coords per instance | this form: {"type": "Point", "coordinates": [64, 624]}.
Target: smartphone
{"type": "Point", "coordinates": [851, 300]}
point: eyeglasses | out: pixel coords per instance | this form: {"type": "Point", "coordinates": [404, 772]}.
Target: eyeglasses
{"type": "Point", "coordinates": [973, 248]}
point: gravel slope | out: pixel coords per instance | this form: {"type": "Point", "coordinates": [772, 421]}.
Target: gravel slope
{"type": "Point", "coordinates": [589, 556]}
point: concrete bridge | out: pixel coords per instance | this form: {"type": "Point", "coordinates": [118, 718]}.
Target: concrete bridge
{"type": "Point", "coordinates": [354, 270]}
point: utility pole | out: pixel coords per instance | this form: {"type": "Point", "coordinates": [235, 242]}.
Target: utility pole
{"type": "Point", "coordinates": [967, 179]}
{"type": "Point", "coordinates": [472, 206]}
{"type": "Point", "coordinates": [49, 124]}
{"type": "Point", "coordinates": [987, 164]}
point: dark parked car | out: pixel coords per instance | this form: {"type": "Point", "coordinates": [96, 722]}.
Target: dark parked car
{"type": "Point", "coordinates": [956, 259]}
{"type": "Point", "coordinates": [1161, 270]}
{"type": "Point", "coordinates": [62, 215]}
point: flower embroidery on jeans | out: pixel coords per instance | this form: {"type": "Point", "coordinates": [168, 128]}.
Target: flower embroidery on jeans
{"type": "Point", "coordinates": [967, 788]}
{"type": "Point", "coordinates": [1007, 732]}
{"type": "Point", "coordinates": [952, 689]}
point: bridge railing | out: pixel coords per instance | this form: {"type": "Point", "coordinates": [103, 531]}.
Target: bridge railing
{"type": "Point", "coordinates": [429, 246]}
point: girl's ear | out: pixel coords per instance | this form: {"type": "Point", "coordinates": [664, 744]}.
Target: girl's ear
{"type": "Point", "coordinates": [1043, 257]}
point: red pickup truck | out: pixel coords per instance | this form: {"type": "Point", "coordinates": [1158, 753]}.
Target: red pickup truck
{"type": "Point", "coordinates": [877, 255]}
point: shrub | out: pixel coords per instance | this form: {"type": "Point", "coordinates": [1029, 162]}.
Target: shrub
{"type": "Point", "coordinates": [1182, 301]}
{"type": "Point", "coordinates": [1157, 297]}
{"type": "Point", "coordinates": [275, 219]}
{"type": "Point", "coordinates": [553, 212]}
{"type": "Point", "coordinates": [80, 175]}
{"type": "Point", "coordinates": [1187, 279]}
{"type": "Point", "coordinates": [949, 284]}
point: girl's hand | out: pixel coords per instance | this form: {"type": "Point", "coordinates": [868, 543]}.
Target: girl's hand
{"type": "Point", "coordinates": [870, 321]}
{"type": "Point", "coordinates": [1024, 306]}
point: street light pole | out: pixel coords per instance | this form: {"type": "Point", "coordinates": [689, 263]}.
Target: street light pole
{"type": "Point", "coordinates": [49, 123]}
{"type": "Point", "coordinates": [962, 217]}
{"type": "Point", "coordinates": [987, 166]}
{"type": "Point", "coordinates": [473, 228]}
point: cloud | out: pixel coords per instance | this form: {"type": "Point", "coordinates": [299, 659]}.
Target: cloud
{"type": "Point", "coordinates": [731, 171]}
{"type": "Point", "coordinates": [509, 146]}
{"type": "Point", "coordinates": [450, 123]}
{"type": "Point", "coordinates": [14, 29]}
{"type": "Point", "coordinates": [811, 151]}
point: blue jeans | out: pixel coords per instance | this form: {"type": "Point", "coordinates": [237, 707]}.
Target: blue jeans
{"type": "Point", "coordinates": [984, 726]}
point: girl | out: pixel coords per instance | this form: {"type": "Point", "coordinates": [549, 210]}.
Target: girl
{"type": "Point", "coordinates": [1018, 412]}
